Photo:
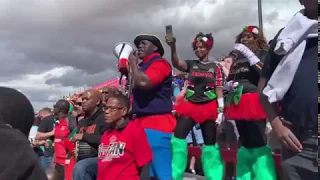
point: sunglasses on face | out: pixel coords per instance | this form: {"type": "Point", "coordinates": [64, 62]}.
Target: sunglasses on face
{"type": "Point", "coordinates": [105, 92]}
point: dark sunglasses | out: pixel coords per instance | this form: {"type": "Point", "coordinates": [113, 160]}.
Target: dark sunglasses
{"type": "Point", "coordinates": [105, 92]}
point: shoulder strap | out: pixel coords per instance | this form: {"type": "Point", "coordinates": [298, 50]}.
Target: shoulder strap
{"type": "Point", "coordinates": [153, 59]}
{"type": "Point", "coordinates": [274, 40]}
{"type": "Point", "coordinates": [274, 58]}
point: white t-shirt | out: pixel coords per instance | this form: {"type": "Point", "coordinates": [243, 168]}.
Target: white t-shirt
{"type": "Point", "coordinates": [33, 133]}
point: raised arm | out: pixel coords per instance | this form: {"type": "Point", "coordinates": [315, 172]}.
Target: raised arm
{"type": "Point", "coordinates": [226, 65]}
{"type": "Point", "coordinates": [255, 61]}
{"type": "Point", "coordinates": [219, 82]}
{"type": "Point", "coordinates": [179, 64]}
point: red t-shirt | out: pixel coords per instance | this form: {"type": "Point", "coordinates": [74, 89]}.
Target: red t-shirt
{"type": "Point", "coordinates": [61, 133]}
{"type": "Point", "coordinates": [158, 70]}
{"type": "Point", "coordinates": [122, 153]}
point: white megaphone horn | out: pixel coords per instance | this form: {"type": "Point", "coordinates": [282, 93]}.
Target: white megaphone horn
{"type": "Point", "coordinates": [122, 51]}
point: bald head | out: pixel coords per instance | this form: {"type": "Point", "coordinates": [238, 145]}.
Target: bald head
{"type": "Point", "coordinates": [93, 93]}
{"type": "Point", "coordinates": [44, 112]}
{"type": "Point", "coordinates": [91, 99]}
{"type": "Point", "coordinates": [109, 91]}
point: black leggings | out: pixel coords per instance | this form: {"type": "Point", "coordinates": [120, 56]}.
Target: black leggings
{"type": "Point", "coordinates": [185, 124]}
{"type": "Point", "coordinates": [59, 173]}
{"type": "Point", "coordinates": [252, 133]}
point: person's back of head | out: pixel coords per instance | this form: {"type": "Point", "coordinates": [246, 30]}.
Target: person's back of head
{"type": "Point", "coordinates": [16, 110]}
{"type": "Point", "coordinates": [44, 112]}
{"type": "Point", "coordinates": [46, 109]}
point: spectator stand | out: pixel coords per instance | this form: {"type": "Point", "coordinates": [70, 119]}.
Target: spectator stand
{"type": "Point", "coordinates": [114, 82]}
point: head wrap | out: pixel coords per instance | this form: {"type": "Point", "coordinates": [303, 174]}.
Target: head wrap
{"type": "Point", "coordinates": [203, 39]}
{"type": "Point", "coordinates": [251, 29]}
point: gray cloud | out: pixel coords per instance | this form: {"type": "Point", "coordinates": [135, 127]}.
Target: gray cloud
{"type": "Point", "coordinates": [78, 78]}
{"type": "Point", "coordinates": [38, 35]}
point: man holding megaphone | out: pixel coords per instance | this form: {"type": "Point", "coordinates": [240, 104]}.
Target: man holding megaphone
{"type": "Point", "coordinates": [152, 105]}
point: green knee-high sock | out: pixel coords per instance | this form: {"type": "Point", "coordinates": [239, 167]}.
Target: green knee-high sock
{"type": "Point", "coordinates": [263, 164]}
{"type": "Point", "coordinates": [179, 148]}
{"type": "Point", "coordinates": [244, 164]}
{"type": "Point", "coordinates": [212, 163]}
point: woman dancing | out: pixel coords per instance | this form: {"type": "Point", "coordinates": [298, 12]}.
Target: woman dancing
{"type": "Point", "coordinates": [203, 104]}
{"type": "Point", "coordinates": [255, 161]}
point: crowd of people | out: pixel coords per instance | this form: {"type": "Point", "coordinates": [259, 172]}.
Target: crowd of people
{"type": "Point", "coordinates": [121, 135]}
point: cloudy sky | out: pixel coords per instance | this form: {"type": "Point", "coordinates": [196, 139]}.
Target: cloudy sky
{"type": "Point", "coordinates": [49, 48]}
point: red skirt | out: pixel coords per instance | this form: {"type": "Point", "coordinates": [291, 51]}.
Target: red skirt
{"type": "Point", "coordinates": [249, 108]}
{"type": "Point", "coordinates": [198, 112]}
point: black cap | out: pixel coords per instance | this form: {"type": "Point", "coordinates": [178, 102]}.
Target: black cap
{"type": "Point", "coordinates": [152, 38]}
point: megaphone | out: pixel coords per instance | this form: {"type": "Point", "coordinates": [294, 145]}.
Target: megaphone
{"type": "Point", "coordinates": [122, 51]}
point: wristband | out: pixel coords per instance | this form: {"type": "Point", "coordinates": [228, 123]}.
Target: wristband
{"type": "Point", "coordinates": [253, 60]}
{"type": "Point", "coordinates": [227, 86]}
{"type": "Point", "coordinates": [220, 104]}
